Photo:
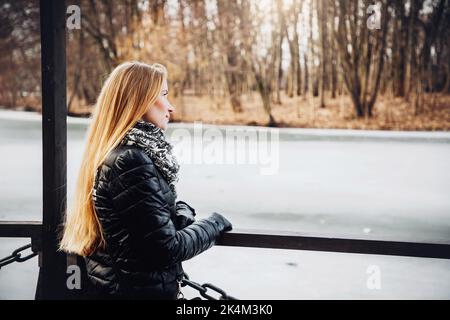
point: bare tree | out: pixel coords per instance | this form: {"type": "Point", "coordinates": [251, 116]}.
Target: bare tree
{"type": "Point", "coordinates": [361, 52]}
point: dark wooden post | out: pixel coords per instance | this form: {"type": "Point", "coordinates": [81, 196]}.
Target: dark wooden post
{"type": "Point", "coordinates": [52, 274]}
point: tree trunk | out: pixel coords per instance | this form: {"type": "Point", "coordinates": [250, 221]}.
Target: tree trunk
{"type": "Point", "coordinates": [322, 13]}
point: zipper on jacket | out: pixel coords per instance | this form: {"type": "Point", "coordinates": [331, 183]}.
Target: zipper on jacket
{"type": "Point", "coordinates": [180, 294]}
{"type": "Point", "coordinates": [179, 280]}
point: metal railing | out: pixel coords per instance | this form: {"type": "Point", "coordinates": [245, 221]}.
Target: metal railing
{"type": "Point", "coordinates": [236, 238]}
{"type": "Point", "coordinates": [279, 240]}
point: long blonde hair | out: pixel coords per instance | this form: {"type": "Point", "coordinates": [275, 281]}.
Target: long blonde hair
{"type": "Point", "coordinates": [126, 95]}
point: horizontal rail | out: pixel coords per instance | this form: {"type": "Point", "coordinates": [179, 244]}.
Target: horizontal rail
{"type": "Point", "coordinates": [23, 229]}
{"type": "Point", "coordinates": [282, 240]}
{"type": "Point", "coordinates": [298, 241]}
{"type": "Point", "coordinates": [20, 229]}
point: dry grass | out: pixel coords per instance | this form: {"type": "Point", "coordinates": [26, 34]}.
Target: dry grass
{"type": "Point", "coordinates": [389, 113]}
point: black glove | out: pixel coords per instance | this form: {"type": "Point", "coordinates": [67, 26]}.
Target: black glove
{"type": "Point", "coordinates": [184, 215]}
{"type": "Point", "coordinates": [221, 221]}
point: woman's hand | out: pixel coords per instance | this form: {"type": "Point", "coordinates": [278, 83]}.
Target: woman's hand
{"type": "Point", "coordinates": [222, 222]}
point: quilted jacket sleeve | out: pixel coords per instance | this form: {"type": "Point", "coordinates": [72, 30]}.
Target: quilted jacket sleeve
{"type": "Point", "coordinates": [139, 200]}
{"type": "Point", "coordinates": [184, 216]}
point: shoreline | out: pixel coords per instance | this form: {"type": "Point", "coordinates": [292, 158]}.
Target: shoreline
{"type": "Point", "coordinates": [286, 133]}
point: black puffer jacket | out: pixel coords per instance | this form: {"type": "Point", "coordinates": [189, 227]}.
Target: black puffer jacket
{"type": "Point", "coordinates": [148, 233]}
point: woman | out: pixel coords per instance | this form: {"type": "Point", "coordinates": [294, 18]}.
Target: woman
{"type": "Point", "coordinates": [125, 218]}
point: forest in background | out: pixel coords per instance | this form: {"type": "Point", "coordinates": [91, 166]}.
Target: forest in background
{"type": "Point", "coordinates": [298, 63]}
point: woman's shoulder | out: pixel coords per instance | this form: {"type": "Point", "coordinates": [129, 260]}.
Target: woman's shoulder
{"type": "Point", "coordinates": [130, 154]}
{"type": "Point", "coordinates": [125, 158]}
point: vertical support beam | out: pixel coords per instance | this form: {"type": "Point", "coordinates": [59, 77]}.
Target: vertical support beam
{"type": "Point", "coordinates": [52, 274]}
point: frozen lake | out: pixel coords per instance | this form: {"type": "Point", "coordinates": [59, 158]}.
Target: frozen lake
{"type": "Point", "coordinates": [362, 184]}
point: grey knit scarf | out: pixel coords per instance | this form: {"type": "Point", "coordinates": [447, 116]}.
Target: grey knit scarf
{"type": "Point", "coordinates": [152, 141]}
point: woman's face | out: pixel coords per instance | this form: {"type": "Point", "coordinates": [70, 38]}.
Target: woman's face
{"type": "Point", "coordinates": [159, 114]}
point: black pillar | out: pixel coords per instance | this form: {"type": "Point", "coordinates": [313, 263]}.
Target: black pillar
{"type": "Point", "coordinates": [52, 274]}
